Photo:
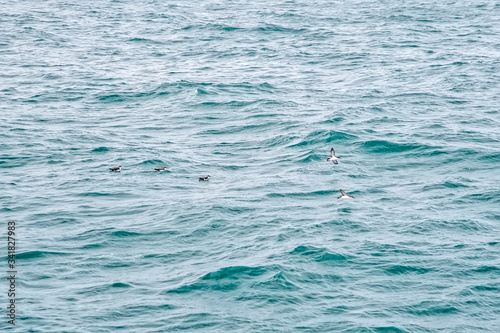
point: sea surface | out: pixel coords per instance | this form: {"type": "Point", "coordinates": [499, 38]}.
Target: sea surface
{"type": "Point", "coordinates": [254, 94]}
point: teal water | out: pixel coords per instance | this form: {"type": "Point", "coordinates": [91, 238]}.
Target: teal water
{"type": "Point", "coordinates": [254, 94]}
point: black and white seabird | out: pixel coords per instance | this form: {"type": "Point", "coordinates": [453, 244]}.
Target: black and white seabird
{"type": "Point", "coordinates": [162, 169]}
{"type": "Point", "coordinates": [205, 178]}
{"type": "Point", "coordinates": [116, 169]}
{"type": "Point", "coordinates": [333, 157]}
{"type": "Point", "coordinates": [345, 195]}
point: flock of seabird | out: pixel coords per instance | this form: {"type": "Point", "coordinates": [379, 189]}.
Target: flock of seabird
{"type": "Point", "coordinates": [333, 158]}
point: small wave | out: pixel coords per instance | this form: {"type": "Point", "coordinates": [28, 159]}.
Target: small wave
{"type": "Point", "coordinates": [301, 194]}
{"type": "Point", "coordinates": [234, 167]}
{"type": "Point", "coordinates": [446, 184]}
{"type": "Point", "coordinates": [38, 254]}
{"type": "Point", "coordinates": [457, 101]}
{"type": "Point", "coordinates": [382, 146]}
{"type": "Point", "coordinates": [490, 158]}
{"type": "Point", "coordinates": [123, 96]}
{"type": "Point", "coordinates": [152, 162]}
{"type": "Point", "coordinates": [481, 288]}
{"type": "Point", "coordinates": [14, 161]}
{"type": "Point", "coordinates": [94, 194]}
{"type": "Point", "coordinates": [324, 137]}
{"type": "Point", "coordinates": [104, 288]}
{"type": "Point", "coordinates": [493, 196]}
{"type": "Point", "coordinates": [334, 120]}
{"type": "Point", "coordinates": [51, 161]}
{"type": "Point", "coordinates": [149, 308]}
{"type": "Point", "coordinates": [234, 272]}
{"type": "Point", "coordinates": [431, 309]}
{"type": "Point", "coordinates": [212, 26]}
{"type": "Point", "coordinates": [404, 269]}
{"type": "Point", "coordinates": [450, 184]}
{"type": "Point", "coordinates": [433, 225]}
{"type": "Point", "coordinates": [197, 286]}
{"type": "Point", "coordinates": [111, 98]}
{"type": "Point", "coordinates": [277, 282]}
{"type": "Point", "coordinates": [117, 264]}
{"type": "Point", "coordinates": [226, 104]}
{"type": "Point", "coordinates": [319, 254]}
{"type": "Point", "coordinates": [239, 129]}
{"type": "Point", "coordinates": [100, 150]}
{"type": "Point", "coordinates": [277, 28]}
{"type": "Point", "coordinates": [92, 246]}
{"type": "Point", "coordinates": [278, 140]}
{"type": "Point", "coordinates": [487, 269]}
{"type": "Point", "coordinates": [200, 91]}
{"type": "Point", "coordinates": [224, 279]}
{"type": "Point", "coordinates": [388, 329]}
{"type": "Point", "coordinates": [123, 234]}
{"type": "Point", "coordinates": [312, 156]}
{"type": "Point", "coordinates": [143, 40]}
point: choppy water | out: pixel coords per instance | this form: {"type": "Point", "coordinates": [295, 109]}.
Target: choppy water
{"type": "Point", "coordinates": [254, 93]}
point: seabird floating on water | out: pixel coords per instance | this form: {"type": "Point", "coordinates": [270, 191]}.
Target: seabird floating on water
{"type": "Point", "coordinates": [116, 169]}
{"type": "Point", "coordinates": [345, 195]}
{"type": "Point", "coordinates": [333, 157]}
{"type": "Point", "coordinates": [205, 178]}
{"type": "Point", "coordinates": [162, 169]}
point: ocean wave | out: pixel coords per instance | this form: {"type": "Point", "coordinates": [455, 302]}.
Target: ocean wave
{"type": "Point", "coordinates": [224, 279]}
{"type": "Point", "coordinates": [407, 269]}
{"type": "Point", "coordinates": [38, 254]}
{"type": "Point", "coordinates": [320, 254]}
{"type": "Point", "coordinates": [383, 146]}
{"type": "Point", "coordinates": [324, 137]}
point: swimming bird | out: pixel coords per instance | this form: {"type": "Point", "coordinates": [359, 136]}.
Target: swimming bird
{"type": "Point", "coordinates": [162, 169]}
{"type": "Point", "coordinates": [205, 178]}
{"type": "Point", "coordinates": [116, 169]}
{"type": "Point", "coordinates": [345, 195]}
{"type": "Point", "coordinates": [333, 157]}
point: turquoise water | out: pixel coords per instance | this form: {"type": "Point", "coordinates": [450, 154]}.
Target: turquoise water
{"type": "Point", "coordinates": [254, 93]}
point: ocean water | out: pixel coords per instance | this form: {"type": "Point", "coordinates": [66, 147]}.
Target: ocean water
{"type": "Point", "coordinates": [253, 93]}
